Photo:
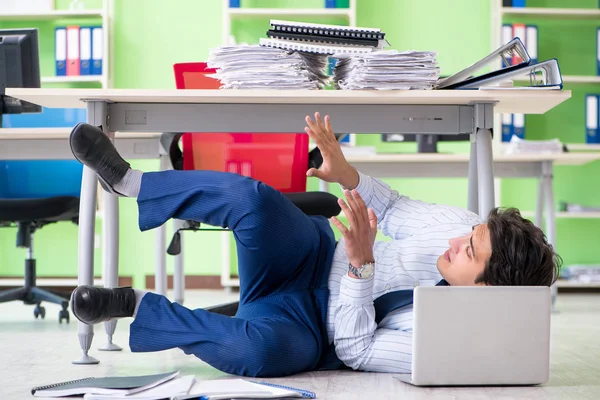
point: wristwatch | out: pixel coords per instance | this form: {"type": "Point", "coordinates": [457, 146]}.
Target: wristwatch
{"type": "Point", "coordinates": [364, 272]}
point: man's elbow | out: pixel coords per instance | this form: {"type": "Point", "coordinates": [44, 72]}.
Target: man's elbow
{"type": "Point", "coordinates": [351, 355]}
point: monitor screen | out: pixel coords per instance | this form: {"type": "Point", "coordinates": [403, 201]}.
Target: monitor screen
{"type": "Point", "coordinates": [19, 67]}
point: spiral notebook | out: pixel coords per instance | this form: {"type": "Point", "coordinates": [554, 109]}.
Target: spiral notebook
{"type": "Point", "coordinates": [109, 385]}
{"type": "Point", "coordinates": [327, 30]}
{"type": "Point", "coordinates": [318, 48]}
{"type": "Point", "coordinates": [242, 389]}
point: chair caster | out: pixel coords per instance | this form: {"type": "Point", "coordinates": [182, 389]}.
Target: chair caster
{"type": "Point", "coordinates": [63, 314]}
{"type": "Point", "coordinates": [39, 311]}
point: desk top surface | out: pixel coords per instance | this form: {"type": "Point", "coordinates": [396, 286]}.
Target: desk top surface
{"type": "Point", "coordinates": [536, 101]}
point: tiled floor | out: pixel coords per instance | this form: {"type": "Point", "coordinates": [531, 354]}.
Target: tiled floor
{"type": "Point", "coordinates": [35, 352]}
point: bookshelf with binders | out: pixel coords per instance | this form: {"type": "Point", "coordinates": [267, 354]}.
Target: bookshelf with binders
{"type": "Point", "coordinates": [567, 30]}
{"type": "Point", "coordinates": [74, 42]}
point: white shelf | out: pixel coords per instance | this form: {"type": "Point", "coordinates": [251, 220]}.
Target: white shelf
{"type": "Point", "coordinates": [54, 15]}
{"type": "Point", "coordinates": [584, 13]}
{"type": "Point", "coordinates": [71, 79]}
{"type": "Point", "coordinates": [571, 79]}
{"type": "Point", "coordinates": [583, 146]}
{"type": "Point", "coordinates": [563, 283]}
{"type": "Point", "coordinates": [567, 214]}
{"type": "Point", "coordinates": [290, 11]}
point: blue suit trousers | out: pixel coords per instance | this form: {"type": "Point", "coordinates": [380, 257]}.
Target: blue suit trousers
{"type": "Point", "coordinates": [284, 261]}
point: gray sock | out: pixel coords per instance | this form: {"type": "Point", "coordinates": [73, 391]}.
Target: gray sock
{"type": "Point", "coordinates": [130, 184]}
{"type": "Point", "coordinates": [139, 294]}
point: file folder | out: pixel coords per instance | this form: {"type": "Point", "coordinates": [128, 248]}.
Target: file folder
{"type": "Point", "coordinates": [591, 118]}
{"type": "Point", "coordinates": [519, 125]}
{"type": "Point", "coordinates": [85, 50]}
{"type": "Point", "coordinates": [518, 3]}
{"type": "Point", "coordinates": [467, 76]}
{"type": "Point", "coordinates": [598, 51]}
{"type": "Point", "coordinates": [507, 35]}
{"type": "Point", "coordinates": [60, 50]}
{"type": "Point", "coordinates": [544, 75]}
{"type": "Point", "coordinates": [507, 127]}
{"type": "Point", "coordinates": [73, 65]}
{"type": "Point", "coordinates": [531, 42]}
{"type": "Point", "coordinates": [234, 3]}
{"type": "Point", "coordinates": [329, 3]}
{"type": "Point", "coordinates": [519, 32]}
{"type": "Point", "coordinates": [97, 50]}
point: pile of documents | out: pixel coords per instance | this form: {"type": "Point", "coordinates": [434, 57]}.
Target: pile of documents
{"type": "Point", "coordinates": [522, 146]}
{"type": "Point", "coordinates": [259, 67]}
{"type": "Point", "coordinates": [387, 70]}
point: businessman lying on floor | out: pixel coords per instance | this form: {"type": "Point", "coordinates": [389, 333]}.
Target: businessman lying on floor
{"type": "Point", "coordinates": [307, 302]}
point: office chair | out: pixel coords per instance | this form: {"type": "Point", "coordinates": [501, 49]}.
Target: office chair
{"type": "Point", "coordinates": [34, 194]}
{"type": "Point", "coordinates": [279, 160]}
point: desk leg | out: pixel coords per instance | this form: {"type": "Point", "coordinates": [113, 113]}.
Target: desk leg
{"type": "Point", "coordinates": [178, 274]}
{"type": "Point", "coordinates": [547, 178]}
{"type": "Point", "coordinates": [539, 207]}
{"type": "Point", "coordinates": [96, 115]}
{"type": "Point", "coordinates": [473, 195]}
{"type": "Point", "coordinates": [484, 120]}
{"type": "Point", "coordinates": [160, 281]}
{"type": "Point", "coordinates": [110, 242]}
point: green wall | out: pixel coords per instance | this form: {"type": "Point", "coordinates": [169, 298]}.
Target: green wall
{"type": "Point", "coordinates": [146, 44]}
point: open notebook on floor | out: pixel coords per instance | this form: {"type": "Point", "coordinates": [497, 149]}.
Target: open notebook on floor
{"type": "Point", "coordinates": [242, 389]}
{"type": "Point", "coordinates": [168, 390]}
{"type": "Point", "coordinates": [110, 385]}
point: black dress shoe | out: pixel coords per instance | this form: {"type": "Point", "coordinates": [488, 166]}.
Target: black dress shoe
{"type": "Point", "coordinates": [92, 305]}
{"type": "Point", "coordinates": [93, 148]}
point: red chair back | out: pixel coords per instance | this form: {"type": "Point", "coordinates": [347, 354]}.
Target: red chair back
{"type": "Point", "coordinates": [277, 159]}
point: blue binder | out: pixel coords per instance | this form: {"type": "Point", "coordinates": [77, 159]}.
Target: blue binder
{"type": "Point", "coordinates": [85, 50]}
{"type": "Point", "coordinates": [518, 3]}
{"type": "Point", "coordinates": [598, 51]}
{"type": "Point", "coordinates": [519, 125]}
{"type": "Point", "coordinates": [60, 50]}
{"type": "Point", "coordinates": [507, 127]}
{"type": "Point", "coordinates": [591, 118]}
{"type": "Point", "coordinates": [97, 50]}
{"type": "Point", "coordinates": [329, 3]}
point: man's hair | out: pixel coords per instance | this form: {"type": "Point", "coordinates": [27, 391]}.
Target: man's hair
{"type": "Point", "coordinates": [521, 254]}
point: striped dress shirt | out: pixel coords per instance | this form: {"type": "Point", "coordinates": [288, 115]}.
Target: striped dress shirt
{"type": "Point", "coordinates": [419, 233]}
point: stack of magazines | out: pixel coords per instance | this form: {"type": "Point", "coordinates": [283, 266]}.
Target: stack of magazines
{"type": "Point", "coordinates": [258, 67]}
{"type": "Point", "coordinates": [387, 70]}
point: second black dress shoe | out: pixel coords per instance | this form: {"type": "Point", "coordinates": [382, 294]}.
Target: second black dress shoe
{"type": "Point", "coordinates": [92, 305]}
{"type": "Point", "coordinates": [93, 148]}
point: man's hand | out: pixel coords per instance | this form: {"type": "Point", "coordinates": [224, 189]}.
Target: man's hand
{"type": "Point", "coordinates": [359, 238]}
{"type": "Point", "coordinates": [335, 168]}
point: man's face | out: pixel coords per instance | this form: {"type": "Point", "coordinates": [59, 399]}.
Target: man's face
{"type": "Point", "coordinates": [464, 261]}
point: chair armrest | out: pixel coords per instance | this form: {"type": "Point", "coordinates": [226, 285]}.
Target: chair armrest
{"type": "Point", "coordinates": [315, 203]}
{"type": "Point", "coordinates": [170, 143]}
{"type": "Point", "coordinates": [228, 309]}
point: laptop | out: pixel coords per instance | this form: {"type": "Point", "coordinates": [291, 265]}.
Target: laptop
{"type": "Point", "coordinates": [480, 336]}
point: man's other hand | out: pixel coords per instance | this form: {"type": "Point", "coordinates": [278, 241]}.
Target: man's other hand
{"type": "Point", "coordinates": [334, 168]}
{"type": "Point", "coordinates": [359, 236]}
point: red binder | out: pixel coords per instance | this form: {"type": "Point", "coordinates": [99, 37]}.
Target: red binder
{"type": "Point", "coordinates": [73, 66]}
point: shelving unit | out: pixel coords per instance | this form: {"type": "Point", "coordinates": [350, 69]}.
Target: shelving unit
{"type": "Point", "coordinates": [314, 13]}
{"type": "Point", "coordinates": [97, 16]}
{"type": "Point", "coordinates": [53, 15]}
{"type": "Point", "coordinates": [567, 34]}
{"type": "Point", "coordinates": [586, 13]}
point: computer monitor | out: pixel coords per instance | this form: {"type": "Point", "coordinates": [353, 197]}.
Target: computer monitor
{"type": "Point", "coordinates": [19, 68]}
{"type": "Point", "coordinates": [426, 143]}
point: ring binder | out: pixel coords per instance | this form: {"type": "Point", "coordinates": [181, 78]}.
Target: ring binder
{"type": "Point", "coordinates": [55, 385]}
{"type": "Point", "coordinates": [313, 48]}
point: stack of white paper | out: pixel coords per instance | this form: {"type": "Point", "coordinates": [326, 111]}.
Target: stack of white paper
{"type": "Point", "coordinates": [387, 70]}
{"type": "Point", "coordinates": [522, 146]}
{"type": "Point", "coordinates": [258, 67]}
